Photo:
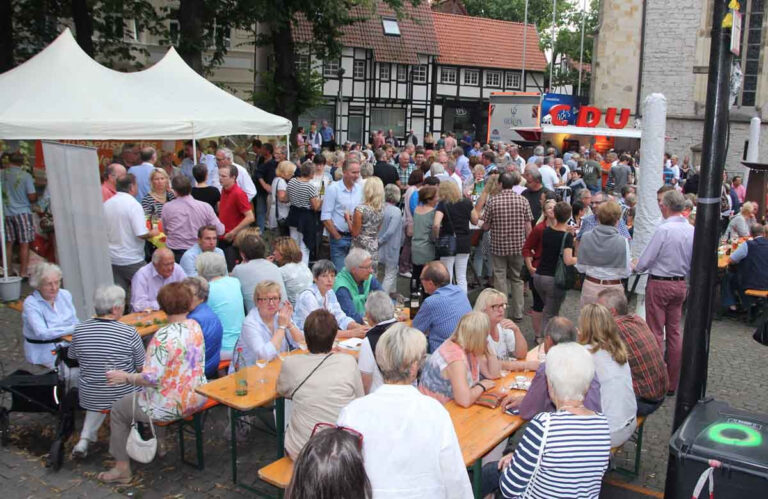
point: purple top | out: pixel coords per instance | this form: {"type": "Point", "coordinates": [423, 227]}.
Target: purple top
{"type": "Point", "coordinates": [146, 283]}
{"type": "Point", "coordinates": [668, 254]}
{"type": "Point", "coordinates": [182, 218]}
{"type": "Point", "coordinates": [537, 399]}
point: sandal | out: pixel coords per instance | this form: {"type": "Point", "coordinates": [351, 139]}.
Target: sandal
{"type": "Point", "coordinates": [114, 476]}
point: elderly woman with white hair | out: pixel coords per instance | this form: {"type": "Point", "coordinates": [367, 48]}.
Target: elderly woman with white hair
{"type": "Point", "coordinates": [103, 344]}
{"type": "Point", "coordinates": [407, 435]}
{"type": "Point", "coordinates": [224, 297]}
{"type": "Point", "coordinates": [569, 446]}
{"type": "Point", "coordinates": [48, 314]}
{"type": "Point", "coordinates": [355, 282]}
{"type": "Point", "coordinates": [390, 237]}
{"type": "Point", "coordinates": [322, 295]}
{"type": "Point", "coordinates": [380, 312]}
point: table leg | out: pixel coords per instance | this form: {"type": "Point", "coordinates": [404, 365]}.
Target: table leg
{"type": "Point", "coordinates": [233, 417]}
{"type": "Point", "coordinates": [280, 426]}
{"type": "Point", "coordinates": [477, 478]}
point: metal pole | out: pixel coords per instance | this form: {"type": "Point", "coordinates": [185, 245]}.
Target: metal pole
{"type": "Point", "coordinates": [581, 49]}
{"type": "Point", "coordinates": [698, 321]}
{"type": "Point", "coordinates": [525, 39]}
{"type": "Point", "coordinates": [552, 59]}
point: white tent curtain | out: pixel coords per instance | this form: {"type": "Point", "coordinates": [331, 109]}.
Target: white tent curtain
{"type": "Point", "coordinates": [81, 237]}
{"type": "Point", "coordinates": [62, 93]}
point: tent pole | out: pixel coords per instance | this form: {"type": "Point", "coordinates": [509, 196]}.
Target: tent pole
{"type": "Point", "coordinates": [288, 147]}
{"type": "Point", "coordinates": [194, 151]}
{"type": "Point", "coordinates": [2, 235]}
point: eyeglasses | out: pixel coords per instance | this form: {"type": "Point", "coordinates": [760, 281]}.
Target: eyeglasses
{"type": "Point", "coordinates": [319, 427]}
{"type": "Point", "coordinates": [271, 299]}
{"type": "Point", "coordinates": [499, 306]}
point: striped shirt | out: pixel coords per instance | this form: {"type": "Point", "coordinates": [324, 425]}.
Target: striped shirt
{"type": "Point", "coordinates": [575, 457]}
{"type": "Point", "coordinates": [99, 345]}
{"type": "Point", "coordinates": [299, 193]}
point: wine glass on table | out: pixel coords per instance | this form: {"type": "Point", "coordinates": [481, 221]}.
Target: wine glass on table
{"type": "Point", "coordinates": [261, 364]}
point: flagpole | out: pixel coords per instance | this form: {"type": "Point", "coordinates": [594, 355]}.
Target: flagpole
{"type": "Point", "coordinates": [525, 39]}
{"type": "Point", "coordinates": [552, 61]}
{"type": "Point", "coordinates": [581, 50]}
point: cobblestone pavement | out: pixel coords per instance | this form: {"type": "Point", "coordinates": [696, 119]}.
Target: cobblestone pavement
{"type": "Point", "coordinates": [737, 375]}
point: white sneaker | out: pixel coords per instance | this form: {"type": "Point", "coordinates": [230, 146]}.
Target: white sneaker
{"type": "Point", "coordinates": [81, 449]}
{"type": "Point", "coordinates": [406, 274]}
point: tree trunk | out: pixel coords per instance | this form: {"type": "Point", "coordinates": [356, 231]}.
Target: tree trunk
{"type": "Point", "coordinates": [7, 60]}
{"type": "Point", "coordinates": [191, 43]}
{"type": "Point", "coordinates": [83, 19]}
{"type": "Point", "coordinates": [286, 85]}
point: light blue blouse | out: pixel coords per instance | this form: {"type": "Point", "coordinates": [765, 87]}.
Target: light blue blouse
{"type": "Point", "coordinates": [41, 322]}
{"type": "Point", "coordinates": [226, 300]}
{"type": "Point", "coordinates": [311, 299]}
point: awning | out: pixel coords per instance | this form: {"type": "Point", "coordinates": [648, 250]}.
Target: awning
{"type": "Point", "coordinates": [534, 134]}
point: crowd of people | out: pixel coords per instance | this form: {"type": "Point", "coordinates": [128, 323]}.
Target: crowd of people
{"type": "Point", "coordinates": [448, 216]}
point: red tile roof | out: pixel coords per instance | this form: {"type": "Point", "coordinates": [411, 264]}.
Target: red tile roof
{"type": "Point", "coordinates": [417, 33]}
{"type": "Point", "coordinates": [487, 43]}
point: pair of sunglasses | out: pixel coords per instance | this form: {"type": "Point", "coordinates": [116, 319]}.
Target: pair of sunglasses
{"type": "Point", "coordinates": [319, 427]}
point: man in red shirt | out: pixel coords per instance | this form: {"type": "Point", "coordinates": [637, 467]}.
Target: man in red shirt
{"type": "Point", "coordinates": [112, 174]}
{"type": "Point", "coordinates": [235, 212]}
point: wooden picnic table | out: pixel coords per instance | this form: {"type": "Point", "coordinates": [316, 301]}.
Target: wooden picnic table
{"type": "Point", "coordinates": [149, 322]}
{"type": "Point", "coordinates": [479, 429]}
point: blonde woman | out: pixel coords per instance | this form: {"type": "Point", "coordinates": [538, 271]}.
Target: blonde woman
{"type": "Point", "coordinates": [280, 204]}
{"type": "Point", "coordinates": [504, 337]}
{"type": "Point", "coordinates": [364, 225]}
{"type": "Point", "coordinates": [453, 371]}
{"type": "Point", "coordinates": [739, 225]}
{"type": "Point", "coordinates": [159, 193]}
{"type": "Point", "coordinates": [452, 218]}
{"type": "Point", "coordinates": [600, 334]}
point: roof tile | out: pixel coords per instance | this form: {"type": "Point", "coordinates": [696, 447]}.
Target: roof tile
{"type": "Point", "coordinates": [487, 43]}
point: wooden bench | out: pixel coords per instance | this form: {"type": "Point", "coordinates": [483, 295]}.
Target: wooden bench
{"type": "Point", "coordinates": [278, 473]}
{"type": "Point", "coordinates": [195, 423]}
{"type": "Point", "coordinates": [637, 438]}
{"type": "Point", "coordinates": [761, 302]}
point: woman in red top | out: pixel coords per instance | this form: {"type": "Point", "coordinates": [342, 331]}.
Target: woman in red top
{"type": "Point", "coordinates": [532, 254]}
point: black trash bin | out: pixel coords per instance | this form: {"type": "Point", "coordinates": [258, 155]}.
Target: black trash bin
{"type": "Point", "coordinates": [738, 439]}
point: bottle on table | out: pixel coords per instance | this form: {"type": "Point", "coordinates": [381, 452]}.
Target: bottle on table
{"type": "Point", "coordinates": [241, 378]}
{"type": "Point", "coordinates": [415, 297]}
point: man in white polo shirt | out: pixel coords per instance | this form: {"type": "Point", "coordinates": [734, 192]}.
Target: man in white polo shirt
{"type": "Point", "coordinates": [126, 231]}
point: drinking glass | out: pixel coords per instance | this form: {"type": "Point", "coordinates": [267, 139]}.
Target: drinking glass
{"type": "Point", "coordinates": [261, 364]}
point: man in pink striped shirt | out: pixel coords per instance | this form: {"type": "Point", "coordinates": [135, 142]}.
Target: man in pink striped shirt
{"type": "Point", "coordinates": [183, 216]}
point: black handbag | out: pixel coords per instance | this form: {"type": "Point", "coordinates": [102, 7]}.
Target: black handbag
{"type": "Point", "coordinates": [446, 245]}
{"type": "Point", "coordinates": [564, 274]}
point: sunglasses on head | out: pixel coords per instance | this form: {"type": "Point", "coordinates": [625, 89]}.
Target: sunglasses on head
{"type": "Point", "coordinates": [320, 427]}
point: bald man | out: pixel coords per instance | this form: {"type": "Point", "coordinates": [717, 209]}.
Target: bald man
{"type": "Point", "coordinates": [112, 174]}
{"type": "Point", "coordinates": [146, 283]}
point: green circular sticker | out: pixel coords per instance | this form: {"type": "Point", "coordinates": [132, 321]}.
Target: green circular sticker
{"type": "Point", "coordinates": [720, 433]}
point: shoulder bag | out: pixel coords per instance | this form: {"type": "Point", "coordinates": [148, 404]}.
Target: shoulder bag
{"type": "Point", "coordinates": [528, 489]}
{"type": "Point", "coordinates": [282, 223]}
{"type": "Point", "coordinates": [564, 274]}
{"type": "Point", "coordinates": [309, 375]}
{"type": "Point", "coordinates": [446, 245]}
{"type": "Point", "coordinates": [140, 450]}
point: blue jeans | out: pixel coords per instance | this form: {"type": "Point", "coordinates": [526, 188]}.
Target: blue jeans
{"type": "Point", "coordinates": [260, 202]}
{"type": "Point", "coordinates": [339, 250]}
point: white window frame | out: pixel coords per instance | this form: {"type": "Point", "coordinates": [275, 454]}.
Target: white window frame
{"type": "Point", "coordinates": [448, 75]}
{"type": "Point", "coordinates": [331, 68]}
{"type": "Point", "coordinates": [303, 62]}
{"type": "Point", "coordinates": [490, 76]}
{"type": "Point", "coordinates": [358, 69]}
{"type": "Point", "coordinates": [174, 30]}
{"type": "Point", "coordinates": [214, 32]}
{"type": "Point", "coordinates": [509, 80]}
{"type": "Point", "coordinates": [402, 72]}
{"type": "Point", "coordinates": [385, 71]}
{"type": "Point", "coordinates": [472, 77]}
{"type": "Point", "coordinates": [420, 73]}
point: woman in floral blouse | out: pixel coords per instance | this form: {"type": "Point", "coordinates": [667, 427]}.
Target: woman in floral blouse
{"type": "Point", "coordinates": [174, 368]}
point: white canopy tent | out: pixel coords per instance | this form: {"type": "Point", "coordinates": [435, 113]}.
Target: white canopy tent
{"type": "Point", "coordinates": [61, 93]}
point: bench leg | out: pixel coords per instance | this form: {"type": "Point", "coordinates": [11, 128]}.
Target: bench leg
{"type": "Point", "coordinates": [197, 429]}
{"type": "Point", "coordinates": [477, 479]}
{"type": "Point", "coordinates": [635, 470]}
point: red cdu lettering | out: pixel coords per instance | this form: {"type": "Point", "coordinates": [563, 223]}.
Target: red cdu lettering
{"type": "Point", "coordinates": [588, 116]}
{"type": "Point", "coordinates": [610, 118]}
